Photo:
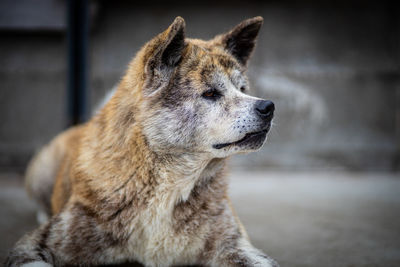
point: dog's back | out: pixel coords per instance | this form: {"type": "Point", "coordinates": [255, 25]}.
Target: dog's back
{"type": "Point", "coordinates": [43, 171]}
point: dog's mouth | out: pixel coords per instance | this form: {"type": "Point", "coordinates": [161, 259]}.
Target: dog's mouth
{"type": "Point", "coordinates": [249, 138]}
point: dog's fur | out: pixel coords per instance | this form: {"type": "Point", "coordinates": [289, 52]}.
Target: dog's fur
{"type": "Point", "coordinates": [143, 180]}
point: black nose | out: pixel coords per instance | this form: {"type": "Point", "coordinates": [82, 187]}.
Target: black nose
{"type": "Point", "coordinates": [265, 109]}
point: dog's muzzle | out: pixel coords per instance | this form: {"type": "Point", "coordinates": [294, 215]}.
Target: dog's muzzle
{"type": "Point", "coordinates": [265, 110]}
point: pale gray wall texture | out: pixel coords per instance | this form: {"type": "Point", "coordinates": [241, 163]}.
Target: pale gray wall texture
{"type": "Point", "coordinates": [333, 70]}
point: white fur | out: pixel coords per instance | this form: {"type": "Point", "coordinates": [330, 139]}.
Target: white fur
{"type": "Point", "coordinates": [158, 246]}
{"type": "Point", "coordinates": [36, 264]}
{"type": "Point", "coordinates": [42, 217]}
{"type": "Point", "coordinates": [254, 254]}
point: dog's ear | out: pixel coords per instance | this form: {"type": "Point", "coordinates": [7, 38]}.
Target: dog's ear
{"type": "Point", "coordinates": [241, 40]}
{"type": "Point", "coordinates": [164, 53]}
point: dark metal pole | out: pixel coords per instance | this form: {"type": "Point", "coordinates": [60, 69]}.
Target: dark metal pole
{"type": "Point", "coordinates": [77, 34]}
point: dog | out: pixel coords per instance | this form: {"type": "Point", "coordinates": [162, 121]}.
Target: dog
{"type": "Point", "coordinates": [144, 180]}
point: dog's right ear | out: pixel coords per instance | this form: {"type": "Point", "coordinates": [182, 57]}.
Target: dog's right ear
{"type": "Point", "coordinates": [163, 54]}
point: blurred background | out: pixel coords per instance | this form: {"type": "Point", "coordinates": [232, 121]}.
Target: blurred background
{"type": "Point", "coordinates": [324, 191]}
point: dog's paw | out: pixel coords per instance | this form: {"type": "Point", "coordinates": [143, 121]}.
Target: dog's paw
{"type": "Point", "coordinates": [37, 264]}
{"type": "Point", "coordinates": [265, 261]}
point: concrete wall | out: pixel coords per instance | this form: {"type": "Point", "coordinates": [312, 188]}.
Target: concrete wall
{"type": "Point", "coordinates": [333, 71]}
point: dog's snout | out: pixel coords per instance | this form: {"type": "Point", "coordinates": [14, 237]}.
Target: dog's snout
{"type": "Point", "coordinates": [265, 109]}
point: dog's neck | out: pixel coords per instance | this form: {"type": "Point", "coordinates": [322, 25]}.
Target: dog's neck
{"type": "Point", "coordinates": [182, 172]}
{"type": "Point", "coordinates": [175, 173]}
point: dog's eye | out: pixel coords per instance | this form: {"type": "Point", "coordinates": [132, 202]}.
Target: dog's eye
{"type": "Point", "coordinates": [212, 94]}
{"type": "Point", "coordinates": [242, 89]}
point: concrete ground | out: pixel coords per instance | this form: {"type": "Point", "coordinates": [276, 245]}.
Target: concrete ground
{"type": "Point", "coordinates": [300, 219]}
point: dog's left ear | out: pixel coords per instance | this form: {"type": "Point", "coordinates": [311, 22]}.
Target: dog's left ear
{"type": "Point", "coordinates": [241, 40]}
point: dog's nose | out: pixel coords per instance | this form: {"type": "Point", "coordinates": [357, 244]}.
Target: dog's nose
{"type": "Point", "coordinates": [265, 109]}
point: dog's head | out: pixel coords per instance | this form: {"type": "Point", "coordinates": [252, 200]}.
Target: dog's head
{"type": "Point", "coordinates": [194, 92]}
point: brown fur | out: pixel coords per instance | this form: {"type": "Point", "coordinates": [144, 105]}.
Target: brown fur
{"type": "Point", "coordinates": [123, 193]}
